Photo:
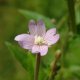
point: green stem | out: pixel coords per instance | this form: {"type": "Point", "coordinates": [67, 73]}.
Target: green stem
{"type": "Point", "coordinates": [37, 66]}
{"type": "Point", "coordinates": [72, 22]}
{"type": "Point", "coordinates": [54, 66]}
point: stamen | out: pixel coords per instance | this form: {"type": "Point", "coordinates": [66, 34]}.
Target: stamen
{"type": "Point", "coordinates": [39, 40]}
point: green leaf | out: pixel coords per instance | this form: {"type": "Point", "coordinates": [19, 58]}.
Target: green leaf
{"type": "Point", "coordinates": [75, 70]}
{"type": "Point", "coordinates": [36, 16]}
{"type": "Point", "coordinates": [26, 60]}
{"type": "Point", "coordinates": [73, 54]}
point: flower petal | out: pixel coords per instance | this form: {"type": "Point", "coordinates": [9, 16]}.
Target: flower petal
{"type": "Point", "coordinates": [51, 32]}
{"type": "Point", "coordinates": [41, 30]}
{"type": "Point", "coordinates": [43, 50]}
{"type": "Point", "coordinates": [26, 45]}
{"type": "Point", "coordinates": [52, 39]}
{"type": "Point", "coordinates": [32, 27]}
{"type": "Point", "coordinates": [35, 49]}
{"type": "Point", "coordinates": [26, 41]}
{"type": "Point", "coordinates": [40, 49]}
{"type": "Point", "coordinates": [21, 37]}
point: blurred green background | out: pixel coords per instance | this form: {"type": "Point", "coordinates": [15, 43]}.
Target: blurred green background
{"type": "Point", "coordinates": [12, 23]}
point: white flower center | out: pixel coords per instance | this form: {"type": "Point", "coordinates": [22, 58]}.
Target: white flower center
{"type": "Point", "coordinates": [39, 40]}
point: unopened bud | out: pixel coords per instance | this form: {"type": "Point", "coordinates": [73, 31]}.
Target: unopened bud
{"type": "Point", "coordinates": [58, 54]}
{"type": "Point", "coordinates": [53, 21]}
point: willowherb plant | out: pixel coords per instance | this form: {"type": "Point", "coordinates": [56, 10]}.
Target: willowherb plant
{"type": "Point", "coordinates": [38, 41]}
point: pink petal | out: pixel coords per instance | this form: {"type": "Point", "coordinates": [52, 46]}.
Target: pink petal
{"type": "Point", "coordinates": [51, 32]}
{"type": "Point", "coordinates": [26, 41]}
{"type": "Point", "coordinates": [40, 49]}
{"type": "Point", "coordinates": [26, 45]}
{"type": "Point", "coordinates": [22, 37]}
{"type": "Point", "coordinates": [35, 49]}
{"type": "Point", "coordinates": [52, 39]}
{"type": "Point", "coordinates": [32, 27]}
{"type": "Point", "coordinates": [43, 50]}
{"type": "Point", "coordinates": [41, 30]}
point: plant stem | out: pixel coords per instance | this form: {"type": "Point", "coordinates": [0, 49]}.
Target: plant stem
{"type": "Point", "coordinates": [54, 66]}
{"type": "Point", "coordinates": [72, 27]}
{"type": "Point", "coordinates": [38, 57]}
{"type": "Point", "coordinates": [72, 22]}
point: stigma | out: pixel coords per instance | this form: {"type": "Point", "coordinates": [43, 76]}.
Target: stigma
{"type": "Point", "coordinates": [39, 40]}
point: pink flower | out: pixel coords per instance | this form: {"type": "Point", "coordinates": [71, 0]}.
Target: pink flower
{"type": "Point", "coordinates": [38, 40]}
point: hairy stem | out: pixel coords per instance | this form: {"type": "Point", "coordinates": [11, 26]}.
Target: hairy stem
{"type": "Point", "coordinates": [71, 9]}
{"type": "Point", "coordinates": [54, 66]}
{"type": "Point", "coordinates": [37, 66]}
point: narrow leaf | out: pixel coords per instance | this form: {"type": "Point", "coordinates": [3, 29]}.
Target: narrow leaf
{"type": "Point", "coordinates": [26, 60]}
{"type": "Point", "coordinates": [36, 16]}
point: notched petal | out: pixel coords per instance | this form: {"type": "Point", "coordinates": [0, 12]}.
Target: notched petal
{"type": "Point", "coordinates": [43, 50]}
{"type": "Point", "coordinates": [52, 39]}
{"type": "Point", "coordinates": [26, 45]}
{"type": "Point", "coordinates": [41, 23]}
{"type": "Point", "coordinates": [41, 30]}
{"type": "Point", "coordinates": [51, 32]}
{"type": "Point", "coordinates": [35, 49]}
{"type": "Point", "coordinates": [26, 41]}
{"type": "Point", "coordinates": [21, 37]}
{"type": "Point", "coordinates": [32, 27]}
{"type": "Point", "coordinates": [32, 23]}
